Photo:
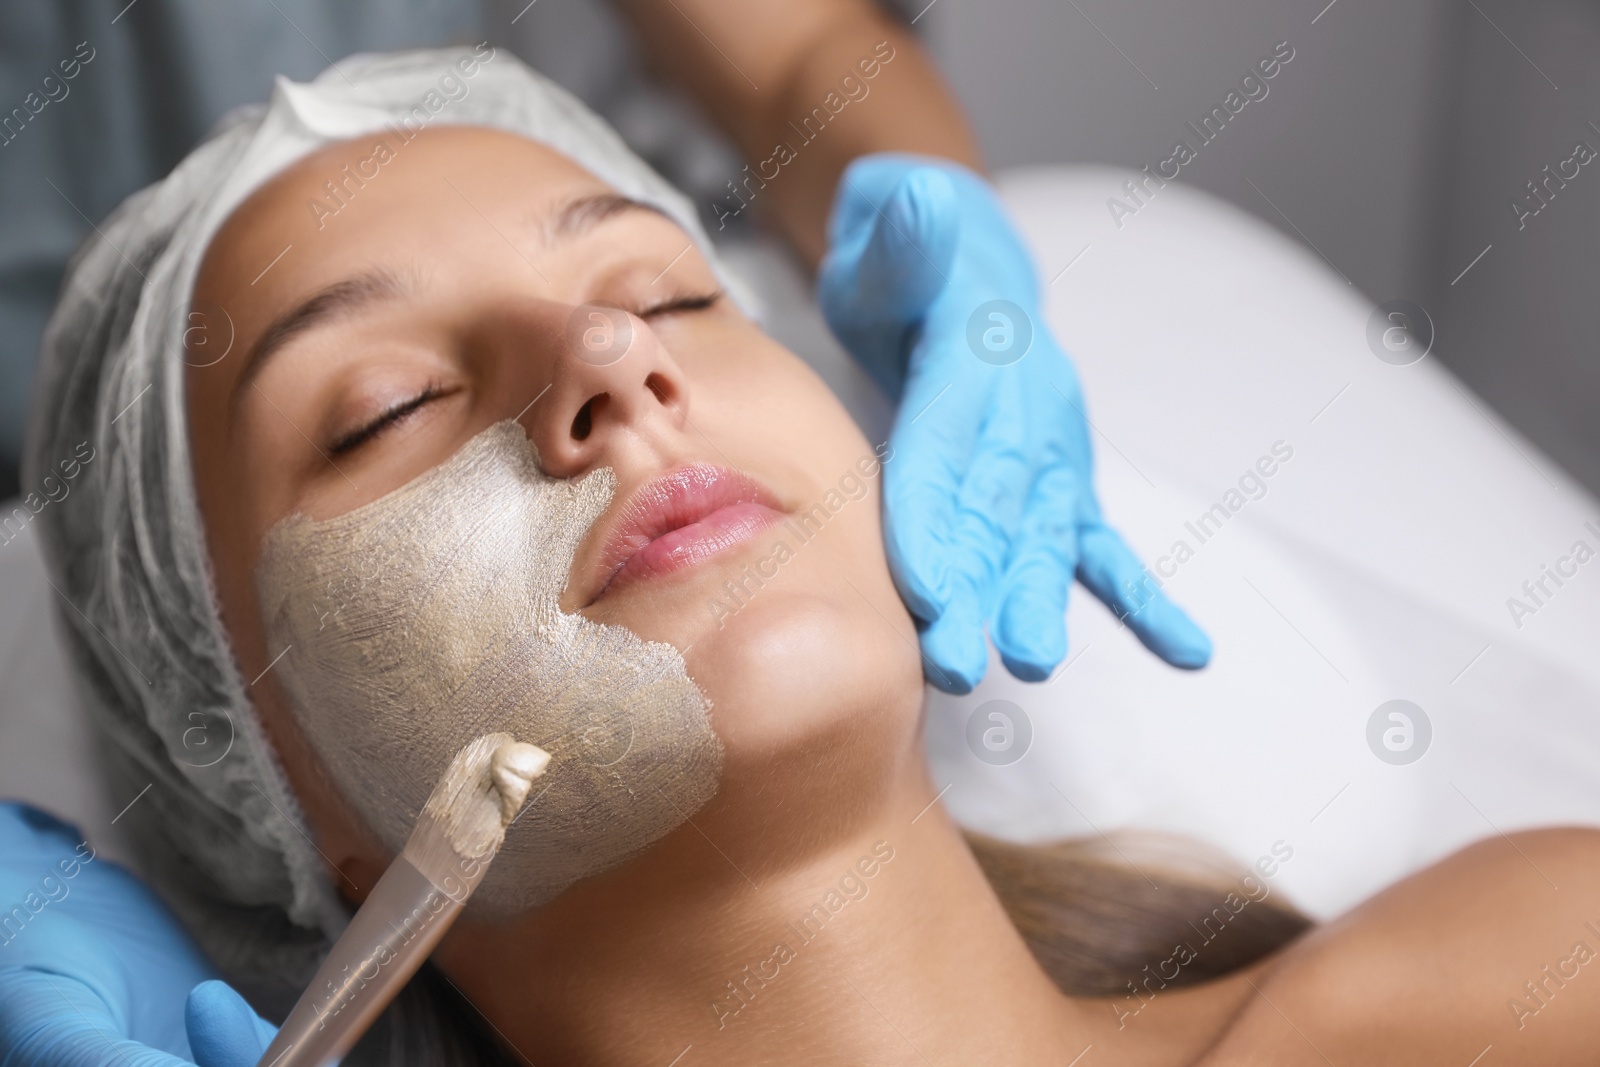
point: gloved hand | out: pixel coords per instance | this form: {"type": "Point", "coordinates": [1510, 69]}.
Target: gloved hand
{"type": "Point", "coordinates": [95, 970]}
{"type": "Point", "coordinates": [989, 502]}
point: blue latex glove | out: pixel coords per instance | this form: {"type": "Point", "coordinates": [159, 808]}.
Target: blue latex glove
{"type": "Point", "coordinates": [989, 502]}
{"type": "Point", "coordinates": [95, 970]}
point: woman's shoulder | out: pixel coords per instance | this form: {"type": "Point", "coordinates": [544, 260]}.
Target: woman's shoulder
{"type": "Point", "coordinates": [1495, 946]}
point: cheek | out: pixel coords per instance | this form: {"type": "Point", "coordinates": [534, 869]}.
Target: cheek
{"type": "Point", "coordinates": [808, 674]}
{"type": "Point", "coordinates": [752, 391]}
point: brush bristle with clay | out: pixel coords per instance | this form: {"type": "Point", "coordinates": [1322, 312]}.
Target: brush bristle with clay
{"type": "Point", "coordinates": [461, 828]}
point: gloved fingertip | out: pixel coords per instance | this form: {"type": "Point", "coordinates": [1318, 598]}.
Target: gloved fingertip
{"type": "Point", "coordinates": [920, 599]}
{"type": "Point", "coordinates": [918, 576]}
{"type": "Point", "coordinates": [1031, 636]}
{"type": "Point", "coordinates": [224, 1031]}
{"type": "Point", "coordinates": [908, 254]}
{"type": "Point", "coordinates": [1165, 629]}
{"type": "Point", "coordinates": [955, 655]}
{"type": "Point", "coordinates": [924, 209]}
{"type": "Point", "coordinates": [949, 679]}
{"type": "Point", "coordinates": [1026, 670]}
{"type": "Point", "coordinates": [1191, 654]}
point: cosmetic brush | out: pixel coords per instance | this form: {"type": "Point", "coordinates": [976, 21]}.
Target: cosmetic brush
{"type": "Point", "coordinates": [461, 828]}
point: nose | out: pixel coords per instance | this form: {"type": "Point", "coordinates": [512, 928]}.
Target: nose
{"type": "Point", "coordinates": [613, 385]}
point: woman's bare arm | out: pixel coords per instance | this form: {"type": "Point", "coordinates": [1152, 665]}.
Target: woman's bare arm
{"type": "Point", "coordinates": [1493, 952]}
{"type": "Point", "coordinates": [757, 66]}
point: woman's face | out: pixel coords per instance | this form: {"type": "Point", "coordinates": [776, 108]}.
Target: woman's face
{"type": "Point", "coordinates": [464, 283]}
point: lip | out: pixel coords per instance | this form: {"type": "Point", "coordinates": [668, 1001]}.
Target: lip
{"type": "Point", "coordinates": [680, 520]}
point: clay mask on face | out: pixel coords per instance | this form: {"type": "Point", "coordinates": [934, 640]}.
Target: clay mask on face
{"type": "Point", "coordinates": [428, 617]}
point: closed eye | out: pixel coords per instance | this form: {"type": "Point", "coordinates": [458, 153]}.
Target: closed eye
{"type": "Point", "coordinates": [390, 417]}
{"type": "Point", "coordinates": [690, 302]}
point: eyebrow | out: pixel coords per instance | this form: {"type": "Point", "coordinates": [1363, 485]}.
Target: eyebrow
{"type": "Point", "coordinates": [324, 306]}
{"type": "Point", "coordinates": [585, 212]}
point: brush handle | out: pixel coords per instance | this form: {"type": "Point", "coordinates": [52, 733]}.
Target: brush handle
{"type": "Point", "coordinates": [391, 935]}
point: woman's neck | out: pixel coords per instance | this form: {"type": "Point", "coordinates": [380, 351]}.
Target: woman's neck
{"type": "Point", "coordinates": [885, 946]}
